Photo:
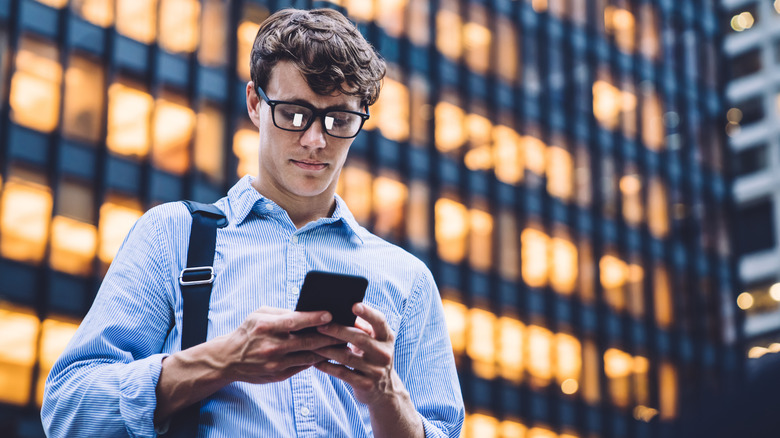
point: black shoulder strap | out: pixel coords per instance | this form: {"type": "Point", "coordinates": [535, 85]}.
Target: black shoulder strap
{"type": "Point", "coordinates": [196, 281]}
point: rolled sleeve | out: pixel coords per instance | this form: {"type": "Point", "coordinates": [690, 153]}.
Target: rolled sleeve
{"type": "Point", "coordinates": [137, 394]}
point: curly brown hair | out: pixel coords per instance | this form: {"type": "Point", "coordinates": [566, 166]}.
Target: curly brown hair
{"type": "Point", "coordinates": [325, 46]}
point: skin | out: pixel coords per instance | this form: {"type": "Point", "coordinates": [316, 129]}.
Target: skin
{"type": "Point", "coordinates": [298, 171]}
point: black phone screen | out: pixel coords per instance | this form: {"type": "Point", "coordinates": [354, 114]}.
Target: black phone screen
{"type": "Point", "coordinates": [336, 293]}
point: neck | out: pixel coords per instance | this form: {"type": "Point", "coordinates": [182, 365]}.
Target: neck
{"type": "Point", "coordinates": [301, 210]}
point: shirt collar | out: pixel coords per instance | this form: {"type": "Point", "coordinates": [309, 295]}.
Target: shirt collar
{"type": "Point", "coordinates": [244, 199]}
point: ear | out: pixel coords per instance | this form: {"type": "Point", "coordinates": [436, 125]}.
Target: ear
{"type": "Point", "coordinates": [252, 103]}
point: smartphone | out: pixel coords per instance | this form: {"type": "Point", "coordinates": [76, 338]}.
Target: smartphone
{"type": "Point", "coordinates": [336, 293]}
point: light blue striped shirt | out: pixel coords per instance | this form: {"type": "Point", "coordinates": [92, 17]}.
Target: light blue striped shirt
{"type": "Point", "coordinates": [104, 383]}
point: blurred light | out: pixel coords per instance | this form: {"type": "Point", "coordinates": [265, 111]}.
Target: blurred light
{"type": "Point", "coordinates": [742, 21]}
{"type": "Point", "coordinates": [115, 222]}
{"type": "Point", "coordinates": [540, 354]}
{"type": "Point", "coordinates": [777, 6]}
{"type": "Point", "coordinates": [246, 147]}
{"type": "Point", "coordinates": [756, 352]}
{"type": "Point", "coordinates": [732, 129]}
{"type": "Point", "coordinates": [745, 300]}
{"type": "Point", "coordinates": [17, 354]}
{"type": "Point", "coordinates": [644, 413]}
{"type": "Point", "coordinates": [510, 348]}
{"type": "Point", "coordinates": [613, 272]}
{"type": "Point", "coordinates": [535, 155]}
{"type": "Point", "coordinates": [451, 229]}
{"type": "Point", "coordinates": [533, 254]}
{"type": "Point", "coordinates": [617, 363]}
{"type": "Point", "coordinates": [630, 184]}
{"type": "Point", "coordinates": [481, 344]}
{"type": "Point", "coordinates": [511, 429]}
{"type": "Point", "coordinates": [54, 3]}
{"type": "Point", "coordinates": [179, 25]}
{"type": "Point", "coordinates": [450, 132]}
{"type": "Point", "coordinates": [539, 5]}
{"type": "Point", "coordinates": [73, 245]}
{"type": "Point", "coordinates": [129, 112]}
{"type": "Point", "coordinates": [734, 115]}
{"type": "Point", "coordinates": [569, 386]}
{"type": "Point", "coordinates": [172, 129]}
{"type": "Point", "coordinates": [455, 315]}
{"type": "Point", "coordinates": [138, 19]}
{"type": "Point", "coordinates": [100, 12]}
{"type": "Point", "coordinates": [774, 347]}
{"type": "Point", "coordinates": [774, 291]}
{"type": "Point", "coordinates": [389, 201]}
{"type": "Point", "coordinates": [24, 224]}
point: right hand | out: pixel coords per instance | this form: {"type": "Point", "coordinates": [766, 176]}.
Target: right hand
{"type": "Point", "coordinates": [262, 349]}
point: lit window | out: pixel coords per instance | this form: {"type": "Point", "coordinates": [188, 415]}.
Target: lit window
{"type": "Point", "coordinates": [84, 102]}
{"type": "Point", "coordinates": [742, 21]}
{"type": "Point", "coordinates": [652, 121]}
{"type": "Point", "coordinates": [452, 225]}
{"type": "Point", "coordinates": [359, 10]}
{"type": "Point", "coordinates": [179, 25]}
{"type": "Point", "coordinates": [649, 39]}
{"type": "Point", "coordinates": [138, 19]}
{"type": "Point", "coordinates": [477, 38]}
{"type": "Point", "coordinates": [209, 140]}
{"type": "Point", "coordinates": [628, 115]}
{"type": "Point", "coordinates": [563, 264]}
{"type": "Point", "coordinates": [613, 274]}
{"type": "Point", "coordinates": [657, 209]}
{"type": "Point", "coordinates": [662, 298]}
{"type": "Point", "coordinates": [54, 3]}
{"type": "Point", "coordinates": [609, 186]}
{"type": "Point", "coordinates": [448, 29]}
{"type": "Point", "coordinates": [116, 220]}
{"type": "Point", "coordinates": [99, 12]}
{"type": "Point", "coordinates": [620, 23]}
{"type": "Point", "coordinates": [391, 112]}
{"type": "Point", "coordinates": [455, 315]}
{"type": "Point", "coordinates": [357, 191]}
{"type": "Point", "coordinates": [535, 152]}
{"type": "Point", "coordinates": [507, 155]}
{"type": "Point", "coordinates": [557, 8]}
{"type": "Point", "coordinates": [26, 214]}
{"type": "Point", "coordinates": [568, 363]}
{"type": "Point", "coordinates": [417, 227]}
{"type": "Point", "coordinates": [618, 366]}
{"type": "Point", "coordinates": [511, 429]}
{"type": "Point", "coordinates": [635, 290]}
{"type": "Point", "coordinates": [509, 260]}
{"type": "Point", "coordinates": [591, 372]}
{"type": "Point", "coordinates": [560, 169]}
{"type": "Point", "coordinates": [538, 5]}
{"type": "Point", "coordinates": [539, 355]}
{"type": "Point", "coordinates": [245, 34]}
{"type": "Point", "coordinates": [587, 271]}
{"type": "Point", "coordinates": [631, 187]}
{"type": "Point", "coordinates": [506, 46]}
{"type": "Point", "coordinates": [213, 33]}
{"type": "Point", "coordinates": [541, 432]}
{"type": "Point", "coordinates": [55, 335]}
{"type": "Point", "coordinates": [174, 123]}
{"type": "Point", "coordinates": [583, 181]}
{"type": "Point", "coordinates": [480, 154]}
{"type": "Point", "coordinates": [73, 235]}
{"type": "Point", "coordinates": [534, 247]}
{"type": "Point", "coordinates": [35, 86]}
{"type": "Point", "coordinates": [389, 199]}
{"type": "Point", "coordinates": [392, 17]}
{"type": "Point", "coordinates": [479, 426]}
{"type": "Point", "coordinates": [667, 382]}
{"type": "Point", "coordinates": [641, 381]}
{"type": "Point", "coordinates": [17, 353]}
{"type": "Point", "coordinates": [450, 127]}
{"type": "Point", "coordinates": [418, 26]}
{"type": "Point", "coordinates": [481, 343]}
{"type": "Point", "coordinates": [129, 115]}
{"type": "Point", "coordinates": [609, 102]}
{"type": "Point", "coordinates": [481, 240]}
{"type": "Point", "coordinates": [420, 111]}
{"type": "Point", "coordinates": [510, 348]}
{"type": "Point", "coordinates": [246, 147]}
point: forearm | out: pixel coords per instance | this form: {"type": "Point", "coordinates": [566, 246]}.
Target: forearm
{"type": "Point", "coordinates": [190, 376]}
{"type": "Point", "coordinates": [397, 415]}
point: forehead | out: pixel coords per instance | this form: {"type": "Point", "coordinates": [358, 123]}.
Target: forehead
{"type": "Point", "coordinates": [288, 83]}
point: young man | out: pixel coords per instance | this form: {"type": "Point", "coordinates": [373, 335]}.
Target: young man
{"type": "Point", "coordinates": [313, 78]}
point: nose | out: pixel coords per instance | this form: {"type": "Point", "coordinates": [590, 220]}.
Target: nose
{"type": "Point", "coordinates": [314, 137]}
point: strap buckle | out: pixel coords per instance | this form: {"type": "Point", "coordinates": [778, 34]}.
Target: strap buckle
{"type": "Point", "coordinates": [196, 275]}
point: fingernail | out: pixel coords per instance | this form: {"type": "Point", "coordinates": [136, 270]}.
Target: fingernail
{"type": "Point", "coordinates": [325, 317]}
{"type": "Point", "coordinates": [359, 307]}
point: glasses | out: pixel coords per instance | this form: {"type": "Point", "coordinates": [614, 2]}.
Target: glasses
{"type": "Point", "coordinates": [299, 117]}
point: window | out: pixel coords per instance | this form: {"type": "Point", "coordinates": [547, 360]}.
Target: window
{"type": "Point", "coordinates": [246, 147]}
{"type": "Point", "coordinates": [448, 29]}
{"type": "Point", "coordinates": [35, 85]}
{"type": "Point", "coordinates": [477, 39]}
{"type": "Point", "coordinates": [756, 226]}
{"type": "Point", "coordinates": [26, 215]}
{"type": "Point", "coordinates": [99, 12]}
{"type": "Point", "coordinates": [84, 102]}
{"type": "Point", "coordinates": [752, 109]}
{"type": "Point", "coordinates": [652, 119]}
{"type": "Point", "coordinates": [562, 262]}
{"type": "Point", "coordinates": [209, 142]}
{"type": "Point", "coordinates": [17, 353]}
{"type": "Point", "coordinates": [539, 354]}
{"type": "Point", "coordinates": [450, 123]}
{"type": "Point", "coordinates": [392, 18]}
{"type": "Point", "coordinates": [480, 425]}
{"type": "Point", "coordinates": [174, 123]}
{"type": "Point", "coordinates": [628, 116]}
{"type": "Point", "coordinates": [621, 369]}
{"type": "Point", "coordinates": [608, 186]}
{"type": "Point", "coordinates": [418, 26]}
{"type": "Point", "coordinates": [668, 398]}
{"type": "Point", "coordinates": [510, 349]}
{"type": "Point", "coordinates": [631, 188]}
{"type": "Point", "coordinates": [55, 335]}
{"type": "Point", "coordinates": [54, 3]}
{"type": "Point", "coordinates": [752, 160]}
{"type": "Point", "coordinates": [613, 274]}
{"type": "Point", "coordinates": [137, 19]}
{"type": "Point", "coordinates": [480, 154]}
{"type": "Point", "coordinates": [391, 111]}
{"type": "Point", "coordinates": [420, 111]}
{"type": "Point", "coordinates": [248, 26]}
{"type": "Point", "coordinates": [357, 190]}
{"type": "Point", "coordinates": [508, 155]}
{"type": "Point", "coordinates": [745, 64]}
{"type": "Point", "coordinates": [455, 314]}
{"type": "Point", "coordinates": [620, 23]}
{"type": "Point", "coordinates": [417, 223]}
{"type": "Point", "coordinates": [73, 233]}
{"type": "Point", "coordinates": [534, 247]}
{"type": "Point", "coordinates": [506, 48]}
{"type": "Point", "coordinates": [358, 10]}
{"type": "Point", "coordinates": [481, 343]}
{"type": "Point", "coordinates": [583, 185]}
{"type": "Point", "coordinates": [657, 208]}
{"type": "Point", "coordinates": [635, 296]}
{"type": "Point", "coordinates": [390, 197]}
{"type": "Point", "coordinates": [560, 172]}
{"type": "Point", "coordinates": [508, 255]}
{"type": "Point", "coordinates": [129, 119]}
{"type": "Point", "coordinates": [587, 271]}
{"type": "Point", "coordinates": [452, 224]}
{"type": "Point", "coordinates": [179, 20]}
{"type": "Point", "coordinates": [610, 103]}
{"type": "Point", "coordinates": [213, 34]}
{"type": "Point", "coordinates": [568, 362]}
{"type": "Point", "coordinates": [480, 239]}
{"type": "Point", "coordinates": [591, 372]}
{"type": "Point", "coordinates": [535, 154]}
{"type": "Point", "coordinates": [117, 216]}
{"type": "Point", "coordinates": [649, 34]}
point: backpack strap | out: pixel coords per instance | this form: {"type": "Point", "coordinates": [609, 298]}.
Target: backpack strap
{"type": "Point", "coordinates": [195, 281]}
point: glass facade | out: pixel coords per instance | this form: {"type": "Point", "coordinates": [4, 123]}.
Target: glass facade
{"type": "Point", "coordinates": [556, 163]}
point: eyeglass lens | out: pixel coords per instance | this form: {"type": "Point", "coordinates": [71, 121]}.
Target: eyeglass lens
{"type": "Point", "coordinates": [297, 118]}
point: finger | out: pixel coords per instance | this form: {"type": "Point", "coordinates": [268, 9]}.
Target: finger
{"type": "Point", "coordinates": [346, 357]}
{"type": "Point", "coordinates": [311, 341]}
{"type": "Point", "coordinates": [373, 350]}
{"type": "Point", "coordinates": [272, 310]}
{"type": "Point", "coordinates": [375, 318]}
{"type": "Point", "coordinates": [294, 321]}
{"type": "Point", "coordinates": [362, 324]}
{"type": "Point", "coordinates": [343, 373]}
{"type": "Point", "coordinates": [296, 360]}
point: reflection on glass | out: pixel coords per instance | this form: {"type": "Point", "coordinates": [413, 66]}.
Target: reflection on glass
{"type": "Point", "coordinates": [17, 353]}
{"type": "Point", "coordinates": [129, 116]}
{"type": "Point", "coordinates": [35, 85]}
{"type": "Point", "coordinates": [246, 144]}
{"type": "Point", "coordinates": [213, 33]}
{"type": "Point", "coordinates": [116, 218]}
{"type": "Point", "coordinates": [481, 343]}
{"type": "Point", "coordinates": [174, 123]}
{"type": "Point", "coordinates": [84, 102]}
{"type": "Point", "coordinates": [452, 225]}
{"type": "Point", "coordinates": [179, 21]}
{"type": "Point", "coordinates": [510, 348]}
{"type": "Point", "coordinates": [55, 335]}
{"type": "Point", "coordinates": [26, 214]}
{"type": "Point", "coordinates": [137, 19]}
{"type": "Point", "coordinates": [99, 12]}
{"type": "Point", "coordinates": [649, 39]}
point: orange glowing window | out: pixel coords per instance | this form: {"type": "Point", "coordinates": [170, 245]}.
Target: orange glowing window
{"type": "Point", "coordinates": [609, 103]}
{"type": "Point", "coordinates": [534, 247]}
{"type": "Point", "coordinates": [455, 314]}
{"type": "Point", "coordinates": [417, 227]}
{"type": "Point", "coordinates": [137, 19]}
{"type": "Point", "coordinates": [668, 398]}
{"type": "Point", "coordinates": [620, 23]}
{"type": "Point", "coordinates": [129, 120]}
{"type": "Point", "coordinates": [509, 256]}
{"type": "Point", "coordinates": [17, 353]}
{"type": "Point", "coordinates": [450, 129]}
{"type": "Point", "coordinates": [392, 17]}
{"type": "Point", "coordinates": [480, 240]}
{"type": "Point", "coordinates": [477, 39]}
{"type": "Point", "coordinates": [614, 273]}
{"type": "Point", "coordinates": [417, 28]}
{"type": "Point", "coordinates": [390, 197]}
{"type": "Point", "coordinates": [507, 155]}
{"type": "Point", "coordinates": [506, 45]}
{"type": "Point", "coordinates": [563, 264]}
{"type": "Point", "coordinates": [535, 154]}
{"type": "Point", "coordinates": [213, 33]}
{"type": "Point", "coordinates": [449, 29]}
{"type": "Point", "coordinates": [391, 112]}
{"type": "Point", "coordinates": [480, 154]}
{"type": "Point", "coordinates": [591, 372]}
{"type": "Point", "coordinates": [73, 245]}
{"type": "Point", "coordinates": [116, 219]}
{"type": "Point", "coordinates": [246, 147]}
{"type": "Point", "coordinates": [420, 110]}
{"type": "Point", "coordinates": [649, 35]}
{"type": "Point", "coordinates": [55, 335]}
{"type": "Point", "coordinates": [179, 21]}
{"type": "Point", "coordinates": [357, 190]}
{"type": "Point", "coordinates": [480, 425]}
{"type": "Point", "coordinates": [245, 34]}
{"type": "Point", "coordinates": [586, 271]}
{"type": "Point", "coordinates": [174, 123]}
{"type": "Point", "coordinates": [662, 298]}
{"type": "Point", "coordinates": [657, 208]}
{"type": "Point", "coordinates": [631, 187]}
{"type": "Point", "coordinates": [35, 85]}
{"type": "Point", "coordinates": [541, 432]}
{"type": "Point", "coordinates": [510, 349]}
{"type": "Point", "coordinates": [84, 103]}
{"type": "Point", "coordinates": [99, 12]}
{"type": "Point", "coordinates": [653, 132]}
{"type": "Point", "coordinates": [560, 173]}
{"type": "Point", "coordinates": [481, 343]}
{"type": "Point", "coordinates": [621, 370]}
{"type": "Point", "coordinates": [512, 429]}
{"type": "Point", "coordinates": [568, 363]}
{"type": "Point", "coordinates": [26, 214]}
{"type": "Point", "coordinates": [54, 3]}
{"type": "Point", "coordinates": [539, 354]}
{"type": "Point", "coordinates": [209, 139]}
{"type": "Point", "coordinates": [452, 227]}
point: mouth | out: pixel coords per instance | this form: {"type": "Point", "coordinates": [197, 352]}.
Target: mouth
{"type": "Point", "coordinates": [310, 165]}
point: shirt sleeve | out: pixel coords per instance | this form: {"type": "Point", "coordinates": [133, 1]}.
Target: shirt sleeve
{"type": "Point", "coordinates": [104, 383]}
{"type": "Point", "coordinates": [425, 363]}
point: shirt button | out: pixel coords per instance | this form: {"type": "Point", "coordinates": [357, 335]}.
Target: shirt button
{"type": "Point", "coordinates": [269, 207]}
{"type": "Point", "coordinates": [293, 290]}
{"type": "Point", "coordinates": [294, 238]}
{"type": "Point", "coordinates": [305, 411]}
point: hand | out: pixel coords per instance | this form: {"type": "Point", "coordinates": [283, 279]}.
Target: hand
{"type": "Point", "coordinates": [263, 350]}
{"type": "Point", "coordinates": [367, 365]}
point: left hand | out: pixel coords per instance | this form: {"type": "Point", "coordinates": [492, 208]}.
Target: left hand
{"type": "Point", "coordinates": [367, 365]}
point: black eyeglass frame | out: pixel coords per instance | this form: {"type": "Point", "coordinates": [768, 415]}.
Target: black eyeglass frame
{"type": "Point", "coordinates": [316, 113]}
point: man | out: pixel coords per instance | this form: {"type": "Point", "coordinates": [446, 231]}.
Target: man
{"type": "Point", "coordinates": [313, 78]}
